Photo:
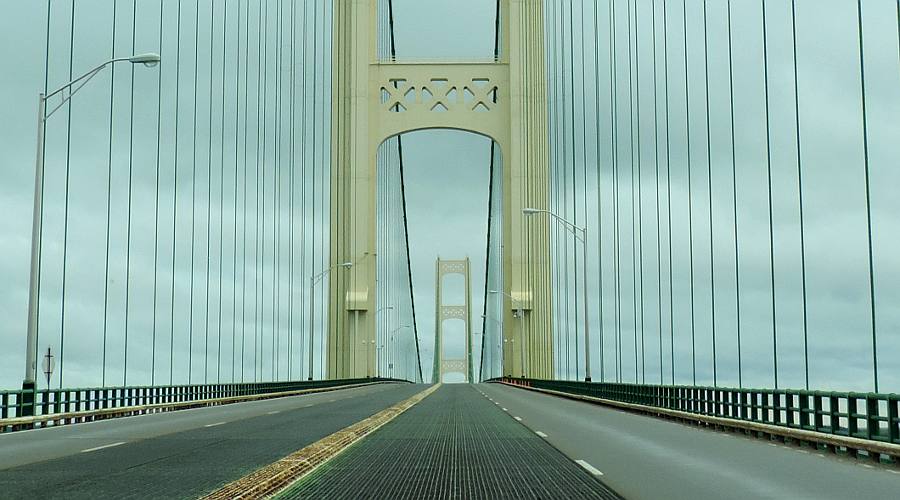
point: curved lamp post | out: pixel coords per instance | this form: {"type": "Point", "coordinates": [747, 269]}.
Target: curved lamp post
{"type": "Point", "coordinates": [312, 302]}
{"type": "Point", "coordinates": [580, 234]}
{"type": "Point", "coordinates": [65, 92]}
{"type": "Point", "coordinates": [520, 312]}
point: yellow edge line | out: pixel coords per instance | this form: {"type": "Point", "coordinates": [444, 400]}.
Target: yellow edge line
{"type": "Point", "coordinates": [271, 479]}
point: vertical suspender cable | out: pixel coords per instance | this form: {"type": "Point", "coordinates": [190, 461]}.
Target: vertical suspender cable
{"type": "Point", "coordinates": [244, 195]}
{"type": "Point", "coordinates": [62, 321]}
{"type": "Point", "coordinates": [212, 30]}
{"type": "Point", "coordinates": [669, 193]}
{"type": "Point", "coordinates": [658, 208]}
{"type": "Point", "coordinates": [596, 36]}
{"type": "Point", "coordinates": [174, 194]}
{"type": "Point", "coordinates": [265, 147]}
{"type": "Point", "coordinates": [112, 88]}
{"type": "Point", "coordinates": [771, 208]}
{"type": "Point", "coordinates": [574, 185]}
{"type": "Point", "coordinates": [303, 204]}
{"type": "Point", "coordinates": [614, 98]}
{"type": "Point", "coordinates": [40, 222]}
{"type": "Point", "coordinates": [687, 122]}
{"type": "Point", "coordinates": [712, 262]}
{"type": "Point", "coordinates": [640, 189]}
{"type": "Point", "coordinates": [737, 257]}
{"type": "Point", "coordinates": [130, 196]}
{"type": "Point", "coordinates": [156, 202]}
{"type": "Point", "coordinates": [800, 188]}
{"type": "Point", "coordinates": [631, 132]}
{"type": "Point", "coordinates": [256, 197]}
{"type": "Point", "coordinates": [585, 312]}
{"type": "Point", "coordinates": [865, 131]}
{"type": "Point", "coordinates": [315, 210]}
{"type": "Point", "coordinates": [565, 179]}
{"type": "Point", "coordinates": [221, 193]}
{"type": "Point", "coordinates": [193, 193]}
{"type": "Point", "coordinates": [276, 200]}
{"type": "Point", "coordinates": [291, 136]}
{"type": "Point", "coordinates": [234, 249]}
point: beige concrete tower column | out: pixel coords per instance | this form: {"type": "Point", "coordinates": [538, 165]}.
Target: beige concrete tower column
{"type": "Point", "coordinates": [373, 101]}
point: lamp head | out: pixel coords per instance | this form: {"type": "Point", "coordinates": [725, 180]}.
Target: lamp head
{"type": "Point", "coordinates": [150, 59]}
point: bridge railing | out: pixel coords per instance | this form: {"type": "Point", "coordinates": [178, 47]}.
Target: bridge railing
{"type": "Point", "coordinates": [15, 403]}
{"type": "Point", "coordinates": [870, 416]}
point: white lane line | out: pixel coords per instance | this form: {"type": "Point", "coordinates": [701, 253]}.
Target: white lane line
{"type": "Point", "coordinates": [588, 467]}
{"type": "Point", "coordinates": [103, 447]}
{"type": "Point", "coordinates": [868, 466]}
{"type": "Point", "coordinates": [504, 409]}
{"type": "Point", "coordinates": [215, 424]}
{"type": "Point", "coordinates": [541, 434]}
{"type": "Point", "coordinates": [518, 418]}
{"type": "Point", "coordinates": [893, 471]}
{"type": "Point", "coordinates": [273, 412]}
{"type": "Point", "coordinates": [332, 400]}
{"type": "Point", "coordinates": [309, 405]}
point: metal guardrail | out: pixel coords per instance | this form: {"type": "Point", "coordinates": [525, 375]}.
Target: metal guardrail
{"type": "Point", "coordinates": [15, 404]}
{"type": "Point", "coordinates": [859, 416]}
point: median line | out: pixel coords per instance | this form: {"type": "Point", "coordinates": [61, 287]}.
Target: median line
{"type": "Point", "coordinates": [270, 479]}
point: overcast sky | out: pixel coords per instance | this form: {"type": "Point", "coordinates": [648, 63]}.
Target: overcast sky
{"type": "Point", "coordinates": [447, 186]}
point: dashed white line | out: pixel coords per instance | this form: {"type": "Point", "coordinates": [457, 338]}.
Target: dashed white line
{"type": "Point", "coordinates": [103, 447]}
{"type": "Point", "coordinates": [518, 418]}
{"type": "Point", "coordinates": [215, 424]}
{"type": "Point", "coordinates": [309, 405]}
{"type": "Point", "coordinates": [588, 467]}
{"type": "Point", "coordinates": [504, 409]}
{"type": "Point", "coordinates": [868, 466]}
{"type": "Point", "coordinates": [541, 434]}
{"type": "Point", "coordinates": [273, 412]}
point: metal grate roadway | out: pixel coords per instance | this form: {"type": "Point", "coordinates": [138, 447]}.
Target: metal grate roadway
{"type": "Point", "coordinates": [453, 444]}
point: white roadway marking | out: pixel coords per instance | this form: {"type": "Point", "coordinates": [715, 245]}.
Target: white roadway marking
{"type": "Point", "coordinates": [518, 418]}
{"type": "Point", "coordinates": [588, 467]}
{"type": "Point", "coordinates": [103, 447]}
{"type": "Point", "coordinates": [541, 434]}
{"type": "Point", "coordinates": [309, 405]}
{"type": "Point", "coordinates": [504, 409]}
{"type": "Point", "coordinates": [273, 412]}
{"type": "Point", "coordinates": [215, 424]}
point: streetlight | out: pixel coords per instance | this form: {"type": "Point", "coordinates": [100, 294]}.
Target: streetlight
{"type": "Point", "coordinates": [475, 334]}
{"type": "Point", "coordinates": [394, 354]}
{"type": "Point", "coordinates": [312, 302]}
{"type": "Point", "coordinates": [499, 347]}
{"type": "Point", "coordinates": [520, 313]}
{"type": "Point", "coordinates": [149, 59]}
{"type": "Point", "coordinates": [580, 234]}
{"type": "Point", "coordinates": [377, 355]}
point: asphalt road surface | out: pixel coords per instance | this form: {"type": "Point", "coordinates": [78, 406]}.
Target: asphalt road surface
{"type": "Point", "coordinates": [180, 454]}
{"type": "Point", "coordinates": [642, 457]}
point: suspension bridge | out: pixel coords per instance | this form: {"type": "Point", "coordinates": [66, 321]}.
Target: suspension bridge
{"type": "Point", "coordinates": [688, 287]}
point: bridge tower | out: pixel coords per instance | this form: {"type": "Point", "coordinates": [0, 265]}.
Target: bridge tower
{"type": "Point", "coordinates": [444, 312]}
{"type": "Point", "coordinates": [503, 99]}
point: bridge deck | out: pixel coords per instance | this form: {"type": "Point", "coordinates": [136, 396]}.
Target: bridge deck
{"type": "Point", "coordinates": [180, 454]}
{"type": "Point", "coordinates": [453, 444]}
